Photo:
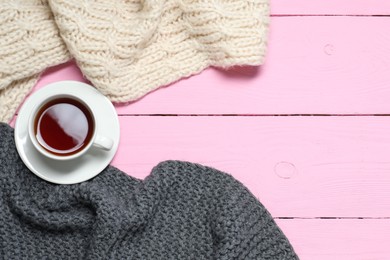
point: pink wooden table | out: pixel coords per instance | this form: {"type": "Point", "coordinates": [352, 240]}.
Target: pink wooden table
{"type": "Point", "coordinates": [308, 132]}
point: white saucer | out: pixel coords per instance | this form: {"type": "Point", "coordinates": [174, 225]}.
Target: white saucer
{"type": "Point", "coordinates": [87, 166]}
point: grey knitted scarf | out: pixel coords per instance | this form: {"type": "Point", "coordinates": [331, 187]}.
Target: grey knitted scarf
{"type": "Point", "coordinates": [180, 211]}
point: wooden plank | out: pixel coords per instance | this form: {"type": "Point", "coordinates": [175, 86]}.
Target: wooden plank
{"type": "Point", "coordinates": [320, 65]}
{"type": "Point", "coordinates": [297, 166]}
{"type": "Point", "coordinates": [330, 7]}
{"type": "Point", "coordinates": [352, 239]}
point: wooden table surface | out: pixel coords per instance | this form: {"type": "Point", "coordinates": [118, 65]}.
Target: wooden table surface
{"type": "Point", "coordinates": [308, 133]}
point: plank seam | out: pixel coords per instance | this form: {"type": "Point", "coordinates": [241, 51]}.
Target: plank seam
{"type": "Point", "coordinates": [329, 218]}
{"type": "Point", "coordinates": [330, 15]}
{"type": "Point", "coordinates": [259, 115]}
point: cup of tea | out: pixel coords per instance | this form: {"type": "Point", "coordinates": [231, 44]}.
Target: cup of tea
{"type": "Point", "coordinates": [63, 127]}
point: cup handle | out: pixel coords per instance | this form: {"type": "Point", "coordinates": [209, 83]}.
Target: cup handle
{"type": "Point", "coordinates": [102, 142]}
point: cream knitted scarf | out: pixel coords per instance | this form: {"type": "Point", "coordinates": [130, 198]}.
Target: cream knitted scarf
{"type": "Point", "coordinates": [125, 48]}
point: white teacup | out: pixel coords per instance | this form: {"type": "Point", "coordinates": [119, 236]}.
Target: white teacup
{"type": "Point", "coordinates": [63, 127]}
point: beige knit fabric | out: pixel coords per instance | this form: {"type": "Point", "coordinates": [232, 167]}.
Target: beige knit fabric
{"type": "Point", "coordinates": [29, 43]}
{"type": "Point", "coordinates": [13, 95]}
{"type": "Point", "coordinates": [128, 48]}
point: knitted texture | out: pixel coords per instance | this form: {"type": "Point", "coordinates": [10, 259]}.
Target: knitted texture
{"type": "Point", "coordinates": [13, 95]}
{"type": "Point", "coordinates": [180, 211]}
{"type": "Point", "coordinates": [29, 43]}
{"type": "Point", "coordinates": [127, 48]}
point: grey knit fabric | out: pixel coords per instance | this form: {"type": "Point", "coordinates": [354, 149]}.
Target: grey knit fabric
{"type": "Point", "coordinates": [180, 211]}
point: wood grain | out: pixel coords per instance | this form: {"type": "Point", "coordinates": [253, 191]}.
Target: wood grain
{"type": "Point", "coordinates": [330, 7]}
{"type": "Point", "coordinates": [315, 65]}
{"type": "Point", "coordinates": [297, 166]}
{"type": "Point", "coordinates": [351, 239]}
